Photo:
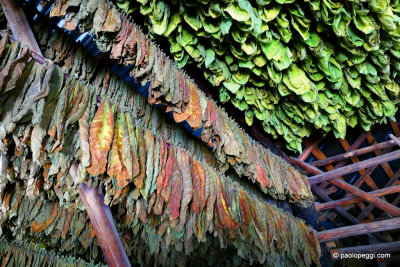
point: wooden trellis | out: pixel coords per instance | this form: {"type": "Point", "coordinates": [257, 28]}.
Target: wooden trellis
{"type": "Point", "coordinates": [364, 207]}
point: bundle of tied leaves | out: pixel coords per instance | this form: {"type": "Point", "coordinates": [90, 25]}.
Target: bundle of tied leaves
{"type": "Point", "coordinates": [18, 253]}
{"type": "Point", "coordinates": [169, 195]}
{"type": "Point", "coordinates": [297, 66]}
{"type": "Point", "coordinates": [172, 89]}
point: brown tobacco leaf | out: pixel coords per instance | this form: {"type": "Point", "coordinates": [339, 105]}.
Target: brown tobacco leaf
{"type": "Point", "coordinates": [195, 120]}
{"type": "Point", "coordinates": [184, 167]}
{"type": "Point", "coordinates": [113, 21]}
{"type": "Point", "coordinates": [179, 117]}
{"type": "Point", "coordinates": [60, 7]}
{"type": "Point", "coordinates": [130, 157]}
{"type": "Point", "coordinates": [100, 138]}
{"type": "Point", "coordinates": [138, 180]}
{"type": "Point", "coordinates": [116, 167]}
{"type": "Point", "coordinates": [38, 227]}
{"type": "Point", "coordinates": [176, 191]}
{"type": "Point", "coordinates": [116, 50]}
{"type": "Point", "coordinates": [199, 180]}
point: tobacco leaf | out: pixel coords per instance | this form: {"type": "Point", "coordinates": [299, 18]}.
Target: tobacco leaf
{"type": "Point", "coordinates": [100, 138]}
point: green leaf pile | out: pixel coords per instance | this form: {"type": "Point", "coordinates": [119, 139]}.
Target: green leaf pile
{"type": "Point", "coordinates": [297, 66]}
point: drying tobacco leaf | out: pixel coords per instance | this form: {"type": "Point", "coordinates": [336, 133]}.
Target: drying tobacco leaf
{"type": "Point", "coordinates": [116, 167]}
{"type": "Point", "coordinates": [100, 138]}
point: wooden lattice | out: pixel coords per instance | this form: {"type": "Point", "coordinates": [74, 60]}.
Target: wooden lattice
{"type": "Point", "coordinates": [356, 186]}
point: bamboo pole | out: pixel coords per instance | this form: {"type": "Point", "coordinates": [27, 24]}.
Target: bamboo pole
{"type": "Point", "coordinates": [352, 200]}
{"type": "Point", "coordinates": [359, 229]}
{"type": "Point", "coordinates": [377, 202]}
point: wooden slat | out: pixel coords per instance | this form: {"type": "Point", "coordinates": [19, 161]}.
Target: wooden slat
{"type": "Point", "coordinates": [354, 153]}
{"type": "Point", "coordinates": [379, 203]}
{"type": "Point", "coordinates": [358, 229]}
{"type": "Point", "coordinates": [369, 208]}
{"type": "Point", "coordinates": [351, 200]}
{"type": "Point", "coordinates": [395, 139]}
{"type": "Point", "coordinates": [354, 167]}
{"type": "Point", "coordinates": [375, 248]}
{"type": "Point", "coordinates": [310, 147]}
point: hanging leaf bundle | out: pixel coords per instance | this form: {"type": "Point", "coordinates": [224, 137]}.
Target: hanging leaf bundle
{"type": "Point", "coordinates": [176, 93]}
{"type": "Point", "coordinates": [298, 67]}
{"type": "Point", "coordinates": [173, 198]}
{"type": "Point", "coordinates": [18, 253]}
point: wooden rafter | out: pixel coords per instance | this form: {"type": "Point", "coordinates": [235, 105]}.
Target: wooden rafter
{"type": "Point", "coordinates": [379, 203]}
{"type": "Point", "coordinates": [358, 229]}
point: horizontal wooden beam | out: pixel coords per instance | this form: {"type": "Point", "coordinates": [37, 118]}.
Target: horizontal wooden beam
{"type": "Point", "coordinates": [354, 167]}
{"type": "Point", "coordinates": [377, 202]}
{"type": "Point", "coordinates": [354, 153]}
{"type": "Point", "coordinates": [359, 229]}
{"type": "Point", "coordinates": [352, 200]}
{"type": "Point", "coordinates": [374, 248]}
{"type": "Point", "coordinates": [395, 139]}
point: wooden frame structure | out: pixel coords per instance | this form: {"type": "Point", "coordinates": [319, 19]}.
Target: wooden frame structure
{"type": "Point", "coordinates": [352, 193]}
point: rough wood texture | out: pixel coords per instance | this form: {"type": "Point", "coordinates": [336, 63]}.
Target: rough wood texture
{"type": "Point", "coordinates": [103, 224]}
{"type": "Point", "coordinates": [19, 24]}
{"type": "Point", "coordinates": [359, 229]}
{"type": "Point", "coordinates": [352, 200]}
{"type": "Point", "coordinates": [354, 167]}
{"type": "Point", "coordinates": [354, 153]}
{"type": "Point", "coordinates": [379, 203]}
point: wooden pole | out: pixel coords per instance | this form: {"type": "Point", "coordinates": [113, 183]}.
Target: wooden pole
{"type": "Point", "coordinates": [103, 223]}
{"type": "Point", "coordinates": [369, 208]}
{"type": "Point", "coordinates": [358, 229]}
{"type": "Point", "coordinates": [375, 248]}
{"type": "Point", "coordinates": [352, 200]}
{"type": "Point", "coordinates": [354, 153]}
{"type": "Point", "coordinates": [377, 202]}
{"type": "Point", "coordinates": [354, 167]}
{"type": "Point", "coordinates": [19, 25]}
{"type": "Point", "coordinates": [395, 139]}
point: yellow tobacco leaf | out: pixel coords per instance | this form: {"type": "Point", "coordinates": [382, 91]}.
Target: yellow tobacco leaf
{"type": "Point", "coordinates": [100, 138]}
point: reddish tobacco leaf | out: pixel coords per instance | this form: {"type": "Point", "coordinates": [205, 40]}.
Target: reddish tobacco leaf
{"type": "Point", "coordinates": [223, 208]}
{"type": "Point", "coordinates": [198, 177]}
{"type": "Point", "coordinates": [245, 213]}
{"type": "Point", "coordinates": [176, 193]}
{"type": "Point", "coordinates": [262, 177]}
{"type": "Point", "coordinates": [100, 138]}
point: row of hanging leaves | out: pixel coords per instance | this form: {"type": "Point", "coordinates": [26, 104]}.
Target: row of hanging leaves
{"type": "Point", "coordinates": [18, 253]}
{"type": "Point", "coordinates": [46, 224]}
{"type": "Point", "coordinates": [171, 88]}
{"type": "Point", "coordinates": [50, 122]}
{"type": "Point", "coordinates": [59, 48]}
{"type": "Point", "coordinates": [299, 67]}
